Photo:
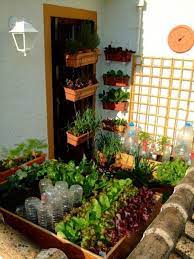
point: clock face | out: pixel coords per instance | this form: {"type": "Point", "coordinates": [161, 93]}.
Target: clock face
{"type": "Point", "coordinates": [181, 38]}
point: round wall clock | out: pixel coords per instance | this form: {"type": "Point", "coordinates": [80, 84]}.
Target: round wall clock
{"type": "Point", "coordinates": [181, 38]}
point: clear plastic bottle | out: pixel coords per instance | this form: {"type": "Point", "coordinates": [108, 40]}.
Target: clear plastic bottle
{"type": "Point", "coordinates": [153, 152]}
{"type": "Point", "coordinates": [130, 138]}
{"type": "Point", "coordinates": [42, 213]}
{"type": "Point", "coordinates": [184, 142]}
{"type": "Point", "coordinates": [44, 184]}
{"type": "Point", "coordinates": [166, 152]}
{"type": "Point", "coordinates": [31, 206]}
{"type": "Point", "coordinates": [78, 193]}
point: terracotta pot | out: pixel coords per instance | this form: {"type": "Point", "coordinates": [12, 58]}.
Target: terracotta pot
{"type": "Point", "coordinates": [120, 106]}
{"type": "Point", "coordinates": [120, 56]}
{"type": "Point", "coordinates": [107, 125]}
{"type": "Point", "coordinates": [116, 80]}
{"type": "Point", "coordinates": [76, 141]}
{"type": "Point", "coordinates": [4, 175]}
{"type": "Point", "coordinates": [75, 95]}
{"type": "Point", "coordinates": [82, 59]}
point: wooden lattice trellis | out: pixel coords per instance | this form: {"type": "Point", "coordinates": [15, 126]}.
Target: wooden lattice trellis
{"type": "Point", "coordinates": [162, 94]}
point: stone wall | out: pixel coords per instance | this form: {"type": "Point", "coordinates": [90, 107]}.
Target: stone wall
{"type": "Point", "coordinates": [161, 237]}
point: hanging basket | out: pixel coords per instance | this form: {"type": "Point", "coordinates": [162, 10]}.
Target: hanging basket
{"type": "Point", "coordinates": [82, 59]}
{"type": "Point", "coordinates": [76, 95]}
{"type": "Point", "coordinates": [120, 106]}
{"type": "Point", "coordinates": [120, 81]}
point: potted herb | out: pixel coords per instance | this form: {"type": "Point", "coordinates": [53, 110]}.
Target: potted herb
{"type": "Point", "coordinates": [82, 128]}
{"type": "Point", "coordinates": [116, 125]}
{"type": "Point", "coordinates": [79, 89]}
{"type": "Point", "coordinates": [108, 145]}
{"type": "Point", "coordinates": [115, 99]}
{"type": "Point", "coordinates": [83, 50]}
{"type": "Point", "coordinates": [116, 78]}
{"type": "Point", "coordinates": [118, 54]}
{"type": "Point", "coordinates": [28, 152]}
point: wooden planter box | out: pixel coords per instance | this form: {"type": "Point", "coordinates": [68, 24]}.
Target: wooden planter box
{"type": "Point", "coordinates": [119, 56]}
{"type": "Point", "coordinates": [120, 106]}
{"type": "Point", "coordinates": [76, 95]}
{"type": "Point", "coordinates": [116, 81]}
{"type": "Point", "coordinates": [82, 59]}
{"type": "Point", "coordinates": [5, 174]}
{"type": "Point", "coordinates": [112, 127]}
{"type": "Point", "coordinates": [76, 141]}
{"type": "Point", "coordinates": [47, 239]}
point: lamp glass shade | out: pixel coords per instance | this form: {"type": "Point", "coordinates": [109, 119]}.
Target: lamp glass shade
{"type": "Point", "coordinates": [24, 36]}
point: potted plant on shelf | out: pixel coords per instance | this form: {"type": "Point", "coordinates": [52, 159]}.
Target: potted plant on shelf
{"type": "Point", "coordinates": [26, 153]}
{"type": "Point", "coordinates": [116, 78]}
{"type": "Point", "coordinates": [116, 125]}
{"type": "Point", "coordinates": [83, 50]}
{"type": "Point", "coordinates": [108, 145]}
{"type": "Point", "coordinates": [115, 99]}
{"type": "Point", "coordinates": [83, 127]}
{"type": "Point", "coordinates": [118, 54]}
{"type": "Point", "coordinates": [79, 89]}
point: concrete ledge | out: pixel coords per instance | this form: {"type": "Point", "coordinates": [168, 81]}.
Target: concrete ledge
{"type": "Point", "coordinates": [163, 233]}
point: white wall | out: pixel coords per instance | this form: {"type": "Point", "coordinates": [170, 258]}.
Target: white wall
{"type": "Point", "coordinates": [159, 18]}
{"type": "Point", "coordinates": [22, 79]}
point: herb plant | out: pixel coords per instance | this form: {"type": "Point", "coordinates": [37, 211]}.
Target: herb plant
{"type": "Point", "coordinates": [162, 141]}
{"type": "Point", "coordinates": [114, 95]}
{"type": "Point", "coordinates": [87, 122]}
{"type": "Point", "coordinates": [109, 145]}
{"type": "Point", "coordinates": [171, 172]}
{"type": "Point", "coordinates": [119, 73]}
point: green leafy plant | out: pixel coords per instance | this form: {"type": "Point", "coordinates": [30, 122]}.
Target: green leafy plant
{"type": "Point", "coordinates": [87, 122]}
{"type": "Point", "coordinates": [171, 172]}
{"type": "Point", "coordinates": [162, 141]}
{"type": "Point", "coordinates": [119, 73]}
{"type": "Point", "coordinates": [114, 95]}
{"type": "Point", "coordinates": [143, 170]}
{"type": "Point", "coordinates": [144, 136]}
{"type": "Point", "coordinates": [23, 152]}
{"type": "Point", "coordinates": [119, 121]}
{"type": "Point", "coordinates": [86, 39]}
{"type": "Point", "coordinates": [109, 145]}
{"type": "Point", "coordinates": [86, 226]}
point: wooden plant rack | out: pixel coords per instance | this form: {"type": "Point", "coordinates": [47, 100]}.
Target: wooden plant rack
{"type": "Point", "coordinates": [120, 106]}
{"type": "Point", "coordinates": [76, 141]}
{"type": "Point", "coordinates": [5, 174]}
{"type": "Point", "coordinates": [47, 239]}
{"type": "Point", "coordinates": [119, 81]}
{"type": "Point", "coordinates": [76, 95]}
{"type": "Point", "coordinates": [82, 59]}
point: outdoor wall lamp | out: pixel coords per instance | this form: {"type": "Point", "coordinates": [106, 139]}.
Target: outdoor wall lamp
{"type": "Point", "coordinates": [23, 33]}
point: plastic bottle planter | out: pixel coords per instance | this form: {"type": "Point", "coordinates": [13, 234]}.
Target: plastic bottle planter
{"type": "Point", "coordinates": [110, 126]}
{"type": "Point", "coordinates": [5, 174]}
{"type": "Point", "coordinates": [121, 56]}
{"type": "Point", "coordinates": [120, 106]}
{"type": "Point", "coordinates": [76, 141]}
{"type": "Point", "coordinates": [78, 94]}
{"type": "Point", "coordinates": [116, 80]}
{"type": "Point", "coordinates": [82, 59]}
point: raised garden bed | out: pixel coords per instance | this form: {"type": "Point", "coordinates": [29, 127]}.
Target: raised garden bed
{"type": "Point", "coordinates": [5, 174]}
{"type": "Point", "coordinates": [120, 106]}
{"type": "Point", "coordinates": [78, 94]}
{"type": "Point", "coordinates": [82, 59]}
{"type": "Point", "coordinates": [47, 239]}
